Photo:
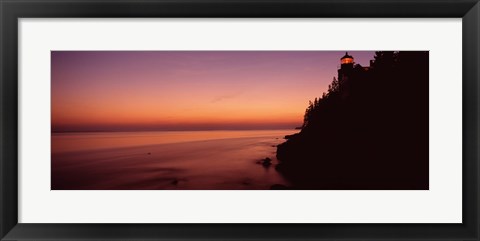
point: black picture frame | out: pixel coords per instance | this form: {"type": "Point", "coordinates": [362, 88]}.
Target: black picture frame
{"type": "Point", "coordinates": [12, 10]}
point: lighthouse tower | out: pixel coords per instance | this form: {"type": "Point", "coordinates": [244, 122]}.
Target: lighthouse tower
{"type": "Point", "coordinates": [346, 68]}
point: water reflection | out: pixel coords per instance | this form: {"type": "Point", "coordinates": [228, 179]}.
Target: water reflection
{"type": "Point", "coordinates": [188, 160]}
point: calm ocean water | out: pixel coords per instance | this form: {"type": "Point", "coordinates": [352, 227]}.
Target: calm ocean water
{"type": "Point", "coordinates": [186, 160]}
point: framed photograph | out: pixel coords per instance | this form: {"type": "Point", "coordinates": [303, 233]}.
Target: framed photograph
{"type": "Point", "coordinates": [229, 120]}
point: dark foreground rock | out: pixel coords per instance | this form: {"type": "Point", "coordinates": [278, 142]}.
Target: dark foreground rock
{"type": "Point", "coordinates": [279, 187]}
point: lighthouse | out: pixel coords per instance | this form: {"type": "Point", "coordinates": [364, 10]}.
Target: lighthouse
{"type": "Point", "coordinates": [346, 67]}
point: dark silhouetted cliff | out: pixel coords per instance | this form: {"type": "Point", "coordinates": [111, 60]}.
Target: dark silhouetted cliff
{"type": "Point", "coordinates": [369, 131]}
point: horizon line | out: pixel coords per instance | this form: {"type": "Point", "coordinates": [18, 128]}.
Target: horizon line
{"type": "Point", "coordinates": [158, 130]}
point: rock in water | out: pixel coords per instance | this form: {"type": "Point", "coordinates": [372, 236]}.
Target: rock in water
{"type": "Point", "coordinates": [267, 162]}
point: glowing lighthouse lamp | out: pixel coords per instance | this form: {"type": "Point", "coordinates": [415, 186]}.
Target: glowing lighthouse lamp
{"type": "Point", "coordinates": [347, 59]}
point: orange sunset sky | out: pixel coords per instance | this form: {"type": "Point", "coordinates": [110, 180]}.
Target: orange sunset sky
{"type": "Point", "coordinates": [188, 90]}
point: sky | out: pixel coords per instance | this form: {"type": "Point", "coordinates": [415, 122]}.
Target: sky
{"type": "Point", "coordinates": [188, 90]}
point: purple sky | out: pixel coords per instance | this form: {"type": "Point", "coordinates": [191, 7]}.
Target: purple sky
{"type": "Point", "coordinates": [188, 89]}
